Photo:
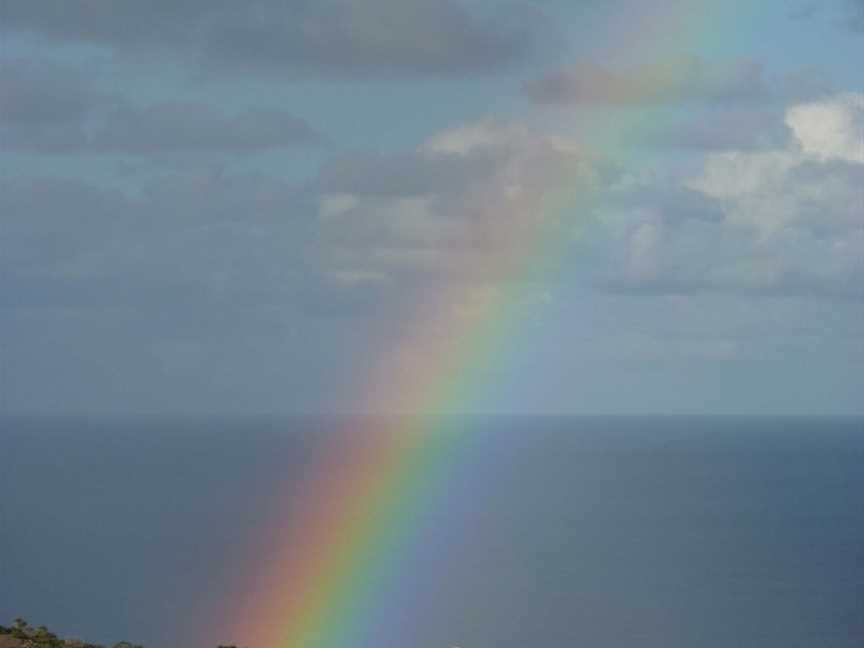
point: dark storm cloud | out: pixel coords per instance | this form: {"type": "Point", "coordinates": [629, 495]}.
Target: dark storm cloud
{"type": "Point", "coordinates": [390, 37]}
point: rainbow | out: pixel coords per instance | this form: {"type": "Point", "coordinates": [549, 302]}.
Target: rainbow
{"type": "Point", "coordinates": [319, 575]}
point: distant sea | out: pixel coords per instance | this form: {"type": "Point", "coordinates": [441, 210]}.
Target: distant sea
{"type": "Point", "coordinates": [567, 532]}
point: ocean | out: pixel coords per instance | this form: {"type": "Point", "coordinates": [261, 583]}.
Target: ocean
{"type": "Point", "coordinates": [551, 532]}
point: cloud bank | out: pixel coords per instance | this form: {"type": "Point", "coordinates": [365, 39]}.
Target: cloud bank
{"type": "Point", "coordinates": [337, 37]}
{"type": "Point", "coordinates": [48, 107]}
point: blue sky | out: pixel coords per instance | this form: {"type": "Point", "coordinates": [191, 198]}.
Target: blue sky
{"type": "Point", "coordinates": [215, 209]}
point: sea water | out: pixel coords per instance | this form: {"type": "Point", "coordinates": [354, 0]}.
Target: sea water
{"type": "Point", "coordinates": [548, 532]}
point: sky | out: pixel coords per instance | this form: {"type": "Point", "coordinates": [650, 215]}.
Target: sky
{"type": "Point", "coordinates": [211, 207]}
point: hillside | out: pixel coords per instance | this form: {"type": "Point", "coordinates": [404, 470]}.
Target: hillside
{"type": "Point", "coordinates": [23, 635]}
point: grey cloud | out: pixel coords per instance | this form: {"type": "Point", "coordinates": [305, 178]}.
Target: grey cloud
{"type": "Point", "coordinates": [222, 232]}
{"type": "Point", "coordinates": [51, 137]}
{"type": "Point", "coordinates": [451, 229]}
{"type": "Point", "coordinates": [62, 292]}
{"type": "Point", "coordinates": [841, 171]}
{"type": "Point", "coordinates": [259, 240]}
{"type": "Point", "coordinates": [806, 83]}
{"type": "Point", "coordinates": [208, 274]}
{"type": "Point", "coordinates": [701, 258]}
{"type": "Point", "coordinates": [209, 196]}
{"type": "Point", "coordinates": [42, 105]}
{"type": "Point", "coordinates": [53, 108]}
{"type": "Point", "coordinates": [196, 126]}
{"type": "Point", "coordinates": [416, 37]}
{"type": "Point", "coordinates": [122, 21]}
{"type": "Point", "coordinates": [742, 130]}
{"type": "Point", "coordinates": [399, 174]}
{"type": "Point", "coordinates": [856, 15]}
{"type": "Point", "coordinates": [328, 297]}
{"type": "Point", "coordinates": [391, 37]}
{"type": "Point", "coordinates": [672, 203]}
{"type": "Point", "coordinates": [848, 15]}
{"type": "Point", "coordinates": [49, 222]}
{"type": "Point", "coordinates": [104, 293]}
{"type": "Point", "coordinates": [788, 232]}
{"type": "Point", "coordinates": [677, 80]}
{"type": "Point", "coordinates": [851, 15]}
{"type": "Point", "coordinates": [829, 197]}
{"type": "Point", "coordinates": [42, 92]}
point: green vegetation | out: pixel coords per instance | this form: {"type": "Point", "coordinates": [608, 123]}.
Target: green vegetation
{"type": "Point", "coordinates": [27, 636]}
{"type": "Point", "coordinates": [22, 635]}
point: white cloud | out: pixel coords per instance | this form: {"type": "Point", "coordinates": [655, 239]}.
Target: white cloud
{"type": "Point", "coordinates": [782, 221]}
{"type": "Point", "coordinates": [467, 139]}
{"type": "Point", "coordinates": [816, 187]}
{"type": "Point", "coordinates": [831, 128]}
{"type": "Point", "coordinates": [644, 247]}
{"type": "Point", "coordinates": [465, 229]}
{"type": "Point", "coordinates": [791, 220]}
{"type": "Point", "coordinates": [751, 185]}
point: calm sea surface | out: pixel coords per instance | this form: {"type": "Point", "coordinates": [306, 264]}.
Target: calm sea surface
{"type": "Point", "coordinates": [546, 533]}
